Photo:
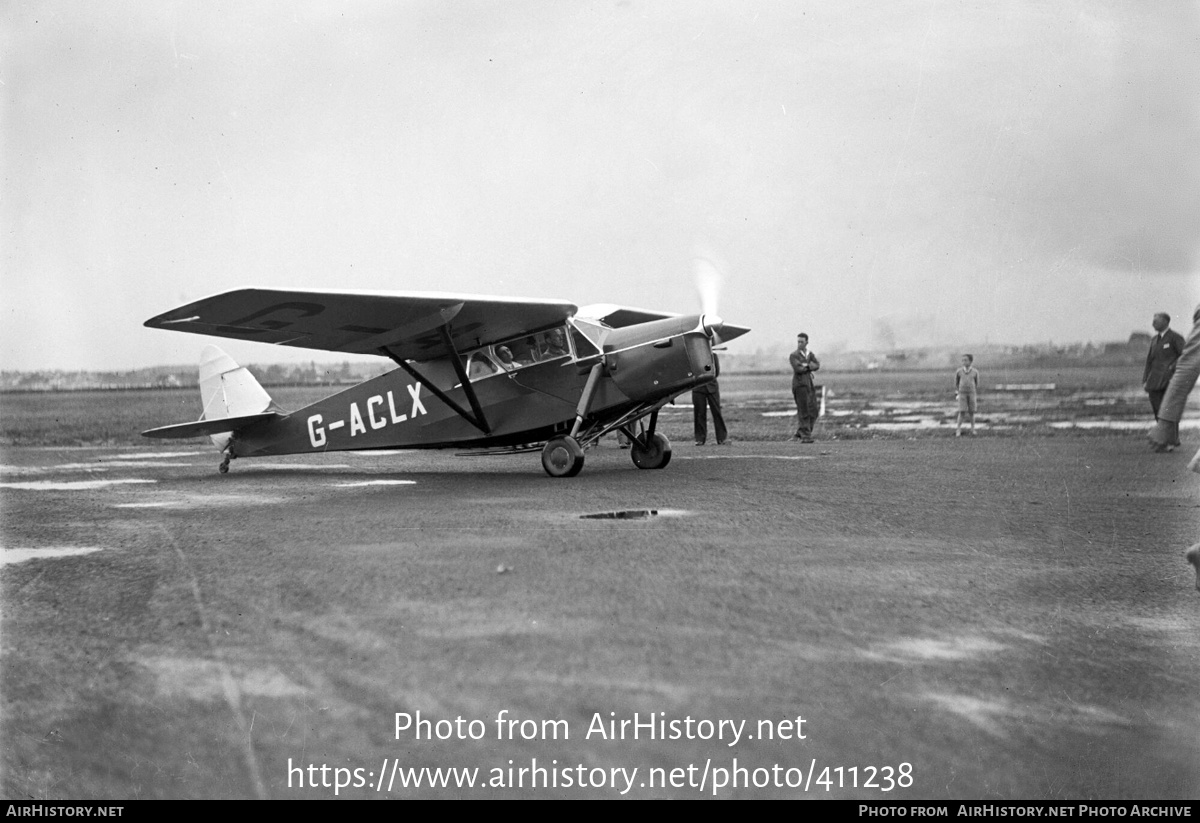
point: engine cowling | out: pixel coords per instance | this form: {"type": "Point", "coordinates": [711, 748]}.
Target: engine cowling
{"type": "Point", "coordinates": [662, 358]}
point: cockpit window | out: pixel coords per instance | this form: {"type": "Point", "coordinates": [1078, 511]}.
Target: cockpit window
{"type": "Point", "coordinates": [524, 350]}
{"type": "Point", "coordinates": [480, 365]}
{"type": "Point", "coordinates": [534, 348]}
{"type": "Point", "coordinates": [583, 345]}
{"type": "Point", "coordinates": [588, 335]}
{"type": "Point", "coordinates": [520, 352]}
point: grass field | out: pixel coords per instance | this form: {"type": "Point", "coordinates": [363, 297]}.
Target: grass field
{"type": "Point", "coordinates": [757, 407]}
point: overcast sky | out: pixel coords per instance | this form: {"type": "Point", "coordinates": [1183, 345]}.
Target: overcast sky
{"type": "Point", "coordinates": [873, 173]}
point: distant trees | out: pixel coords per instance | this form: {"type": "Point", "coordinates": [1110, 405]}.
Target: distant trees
{"type": "Point", "coordinates": [307, 374]}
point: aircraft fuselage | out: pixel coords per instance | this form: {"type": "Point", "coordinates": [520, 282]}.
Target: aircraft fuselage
{"type": "Point", "coordinates": [642, 364]}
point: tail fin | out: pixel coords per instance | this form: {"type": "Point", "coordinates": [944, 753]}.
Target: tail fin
{"type": "Point", "coordinates": [229, 390]}
{"type": "Point", "coordinates": [233, 400]}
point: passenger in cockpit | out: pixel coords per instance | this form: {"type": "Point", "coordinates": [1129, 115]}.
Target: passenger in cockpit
{"type": "Point", "coordinates": [532, 350]}
{"type": "Point", "coordinates": [556, 344]}
{"type": "Point", "coordinates": [505, 356]}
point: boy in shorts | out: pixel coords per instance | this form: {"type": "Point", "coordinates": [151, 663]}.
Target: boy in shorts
{"type": "Point", "coordinates": [966, 389]}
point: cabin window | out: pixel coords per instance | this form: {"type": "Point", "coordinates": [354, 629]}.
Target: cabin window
{"type": "Point", "coordinates": [583, 346]}
{"type": "Point", "coordinates": [588, 336]}
{"type": "Point", "coordinates": [520, 352]}
{"type": "Point", "coordinates": [524, 350]}
{"type": "Point", "coordinates": [534, 348]}
{"type": "Point", "coordinates": [480, 365]}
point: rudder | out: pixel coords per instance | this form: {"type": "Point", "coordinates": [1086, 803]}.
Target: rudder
{"type": "Point", "coordinates": [229, 390]}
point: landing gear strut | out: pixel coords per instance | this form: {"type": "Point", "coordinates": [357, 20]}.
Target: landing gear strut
{"type": "Point", "coordinates": [649, 449]}
{"type": "Point", "coordinates": [562, 457]}
{"type": "Point", "coordinates": [224, 467]}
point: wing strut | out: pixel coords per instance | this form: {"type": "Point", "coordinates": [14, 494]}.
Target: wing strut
{"type": "Point", "coordinates": [477, 419]}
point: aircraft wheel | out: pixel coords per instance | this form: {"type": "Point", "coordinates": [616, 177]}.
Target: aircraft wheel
{"type": "Point", "coordinates": [653, 455]}
{"type": "Point", "coordinates": [562, 457]}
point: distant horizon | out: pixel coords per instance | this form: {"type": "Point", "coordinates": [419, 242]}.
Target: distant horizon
{"type": "Point", "coordinates": [323, 358]}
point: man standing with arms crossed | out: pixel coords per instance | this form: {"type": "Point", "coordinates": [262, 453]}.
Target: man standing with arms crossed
{"type": "Point", "coordinates": [1165, 349]}
{"type": "Point", "coordinates": [804, 363]}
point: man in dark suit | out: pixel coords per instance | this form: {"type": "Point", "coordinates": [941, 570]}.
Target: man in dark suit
{"type": "Point", "coordinates": [1165, 349]}
{"type": "Point", "coordinates": [705, 397]}
{"type": "Point", "coordinates": [1165, 434]}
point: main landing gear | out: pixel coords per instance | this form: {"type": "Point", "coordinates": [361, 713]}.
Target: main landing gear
{"type": "Point", "coordinates": [562, 457]}
{"type": "Point", "coordinates": [651, 451]}
{"type": "Point", "coordinates": [224, 467]}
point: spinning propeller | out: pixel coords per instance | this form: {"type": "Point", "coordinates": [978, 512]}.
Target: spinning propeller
{"type": "Point", "coordinates": [708, 286]}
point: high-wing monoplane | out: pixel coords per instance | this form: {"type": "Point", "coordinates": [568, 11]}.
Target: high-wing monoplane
{"type": "Point", "coordinates": [481, 374]}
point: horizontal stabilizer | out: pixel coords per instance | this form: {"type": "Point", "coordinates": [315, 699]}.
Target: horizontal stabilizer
{"type": "Point", "coordinates": [205, 428]}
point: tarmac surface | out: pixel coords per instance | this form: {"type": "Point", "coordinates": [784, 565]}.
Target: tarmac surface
{"type": "Point", "coordinates": [975, 618]}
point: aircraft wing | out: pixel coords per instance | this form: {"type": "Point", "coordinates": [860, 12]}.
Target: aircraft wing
{"type": "Point", "coordinates": [618, 317]}
{"type": "Point", "coordinates": [407, 323]}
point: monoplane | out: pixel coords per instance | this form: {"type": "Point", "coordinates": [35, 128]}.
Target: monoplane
{"type": "Point", "coordinates": [474, 373]}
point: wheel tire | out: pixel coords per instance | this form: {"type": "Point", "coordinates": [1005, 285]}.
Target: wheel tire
{"type": "Point", "coordinates": [653, 455]}
{"type": "Point", "coordinates": [562, 457]}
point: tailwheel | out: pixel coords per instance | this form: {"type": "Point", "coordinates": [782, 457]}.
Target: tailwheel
{"type": "Point", "coordinates": [562, 457]}
{"type": "Point", "coordinates": [651, 451]}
